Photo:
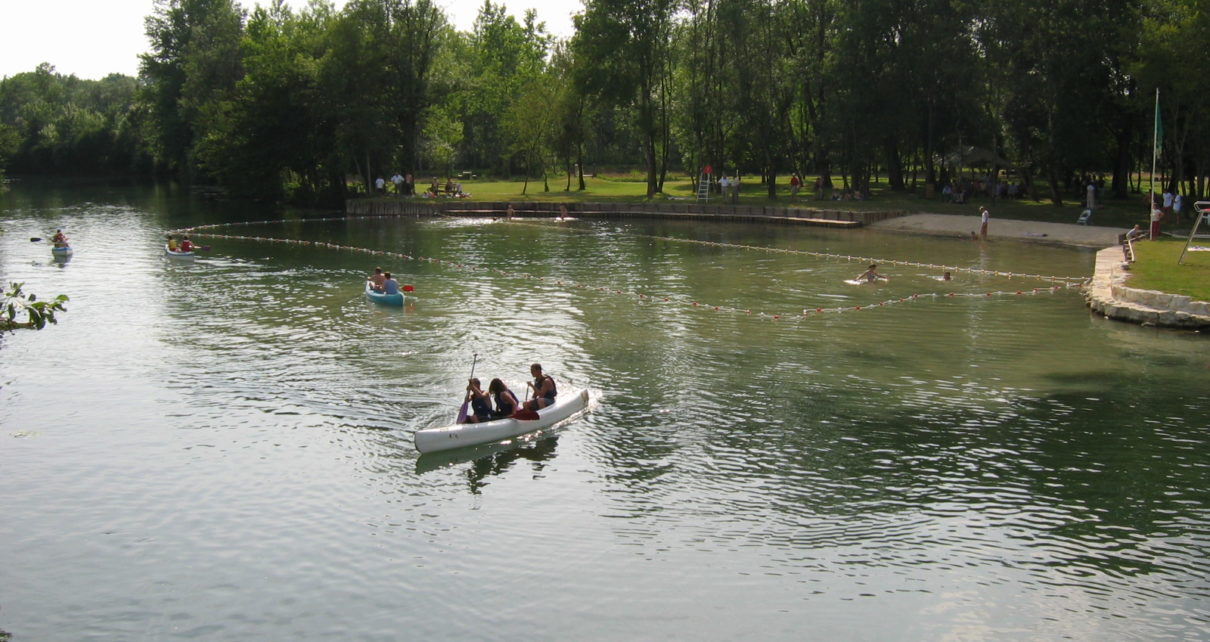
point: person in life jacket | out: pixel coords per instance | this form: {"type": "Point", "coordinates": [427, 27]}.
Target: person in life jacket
{"type": "Point", "coordinates": [544, 389]}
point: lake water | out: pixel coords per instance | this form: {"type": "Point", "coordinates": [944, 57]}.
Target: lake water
{"type": "Point", "coordinates": [222, 450]}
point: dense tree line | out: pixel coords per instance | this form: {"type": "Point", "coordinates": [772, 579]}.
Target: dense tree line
{"type": "Point", "coordinates": [278, 103]}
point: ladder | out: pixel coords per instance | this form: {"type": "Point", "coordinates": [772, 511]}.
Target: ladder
{"type": "Point", "coordinates": [703, 187]}
{"type": "Point", "coordinates": [1203, 211]}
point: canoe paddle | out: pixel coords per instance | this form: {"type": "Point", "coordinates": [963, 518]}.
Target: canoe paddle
{"type": "Point", "coordinates": [466, 402]}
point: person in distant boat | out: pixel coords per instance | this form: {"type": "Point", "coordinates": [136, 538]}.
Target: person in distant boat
{"type": "Point", "coordinates": [377, 279]}
{"type": "Point", "coordinates": [172, 246]}
{"type": "Point", "coordinates": [59, 239]}
{"type": "Point", "coordinates": [544, 389]}
{"type": "Point", "coordinates": [481, 403]}
{"type": "Point", "coordinates": [186, 245]}
{"type": "Point", "coordinates": [506, 401]}
{"type": "Point", "coordinates": [871, 274]}
{"type": "Point", "coordinates": [390, 285]}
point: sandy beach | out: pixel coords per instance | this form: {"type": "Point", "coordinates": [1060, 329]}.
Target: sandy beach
{"type": "Point", "coordinates": [951, 225]}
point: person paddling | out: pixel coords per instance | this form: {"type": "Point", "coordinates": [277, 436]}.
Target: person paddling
{"type": "Point", "coordinates": [544, 389]}
{"type": "Point", "coordinates": [186, 245]}
{"type": "Point", "coordinates": [481, 405]}
{"type": "Point", "coordinates": [59, 239]}
{"type": "Point", "coordinates": [390, 285]}
{"type": "Point", "coordinates": [377, 279]}
{"type": "Point", "coordinates": [172, 246]}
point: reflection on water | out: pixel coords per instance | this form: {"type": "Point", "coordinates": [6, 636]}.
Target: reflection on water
{"type": "Point", "coordinates": [965, 466]}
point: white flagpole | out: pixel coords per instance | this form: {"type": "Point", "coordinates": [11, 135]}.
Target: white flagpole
{"type": "Point", "coordinates": [1155, 139]}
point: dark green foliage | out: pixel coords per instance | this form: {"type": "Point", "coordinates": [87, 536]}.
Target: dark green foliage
{"type": "Point", "coordinates": [55, 124]}
{"type": "Point", "coordinates": [303, 105]}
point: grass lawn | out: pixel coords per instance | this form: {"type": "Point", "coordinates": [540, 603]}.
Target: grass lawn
{"type": "Point", "coordinates": [632, 188]}
{"type": "Point", "coordinates": [1156, 268]}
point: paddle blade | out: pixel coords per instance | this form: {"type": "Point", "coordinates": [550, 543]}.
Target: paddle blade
{"type": "Point", "coordinates": [204, 248]}
{"type": "Point", "coordinates": [35, 239]}
{"type": "Point", "coordinates": [526, 415]}
{"type": "Point", "coordinates": [462, 412]}
{"type": "Point", "coordinates": [408, 288]}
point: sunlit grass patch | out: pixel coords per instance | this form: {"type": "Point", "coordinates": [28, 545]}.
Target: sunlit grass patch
{"type": "Point", "coordinates": [1156, 268]}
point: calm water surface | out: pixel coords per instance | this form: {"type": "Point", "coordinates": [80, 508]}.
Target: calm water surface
{"type": "Point", "coordinates": [222, 449]}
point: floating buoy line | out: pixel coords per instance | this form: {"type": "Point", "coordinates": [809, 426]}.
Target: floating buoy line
{"type": "Point", "coordinates": [1058, 283]}
{"type": "Point", "coordinates": [849, 257]}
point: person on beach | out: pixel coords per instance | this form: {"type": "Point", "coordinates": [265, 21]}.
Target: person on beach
{"type": "Point", "coordinates": [984, 218]}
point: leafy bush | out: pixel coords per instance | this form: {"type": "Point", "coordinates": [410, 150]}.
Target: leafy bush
{"type": "Point", "coordinates": [20, 310]}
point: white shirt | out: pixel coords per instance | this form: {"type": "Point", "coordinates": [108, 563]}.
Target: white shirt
{"type": "Point", "coordinates": [1167, 199]}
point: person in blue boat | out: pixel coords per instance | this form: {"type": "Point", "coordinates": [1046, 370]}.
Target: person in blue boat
{"type": "Point", "coordinates": [481, 403]}
{"type": "Point", "coordinates": [544, 389]}
{"type": "Point", "coordinates": [390, 285]}
{"type": "Point", "coordinates": [59, 239]}
{"type": "Point", "coordinates": [377, 279]}
{"type": "Point", "coordinates": [506, 401]}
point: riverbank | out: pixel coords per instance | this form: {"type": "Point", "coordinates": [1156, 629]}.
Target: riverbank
{"type": "Point", "coordinates": [964, 226]}
{"type": "Point", "coordinates": [1107, 292]}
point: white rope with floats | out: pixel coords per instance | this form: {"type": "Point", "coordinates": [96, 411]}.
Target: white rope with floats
{"type": "Point", "coordinates": [1060, 283]}
{"type": "Point", "coordinates": [845, 257]}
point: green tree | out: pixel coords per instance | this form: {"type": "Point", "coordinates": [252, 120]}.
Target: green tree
{"type": "Point", "coordinates": [627, 46]}
{"type": "Point", "coordinates": [189, 73]}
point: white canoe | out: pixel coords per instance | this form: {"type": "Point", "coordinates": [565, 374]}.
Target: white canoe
{"type": "Point", "coordinates": [177, 255]}
{"type": "Point", "coordinates": [459, 435]}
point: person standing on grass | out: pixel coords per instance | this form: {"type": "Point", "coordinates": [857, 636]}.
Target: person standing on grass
{"type": "Point", "coordinates": [1157, 215]}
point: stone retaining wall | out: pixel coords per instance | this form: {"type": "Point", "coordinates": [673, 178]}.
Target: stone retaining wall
{"type": "Point", "coordinates": [440, 207]}
{"type": "Point", "coordinates": [1109, 295]}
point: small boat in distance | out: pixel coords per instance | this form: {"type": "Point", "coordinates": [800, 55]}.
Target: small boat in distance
{"type": "Point", "coordinates": [61, 251]}
{"type": "Point", "coordinates": [396, 299]}
{"type": "Point", "coordinates": [173, 254]}
{"type": "Point", "coordinates": [383, 298]}
{"type": "Point", "coordinates": [524, 422]}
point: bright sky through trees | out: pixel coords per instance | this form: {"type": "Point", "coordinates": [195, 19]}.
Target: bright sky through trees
{"type": "Point", "coordinates": [92, 39]}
